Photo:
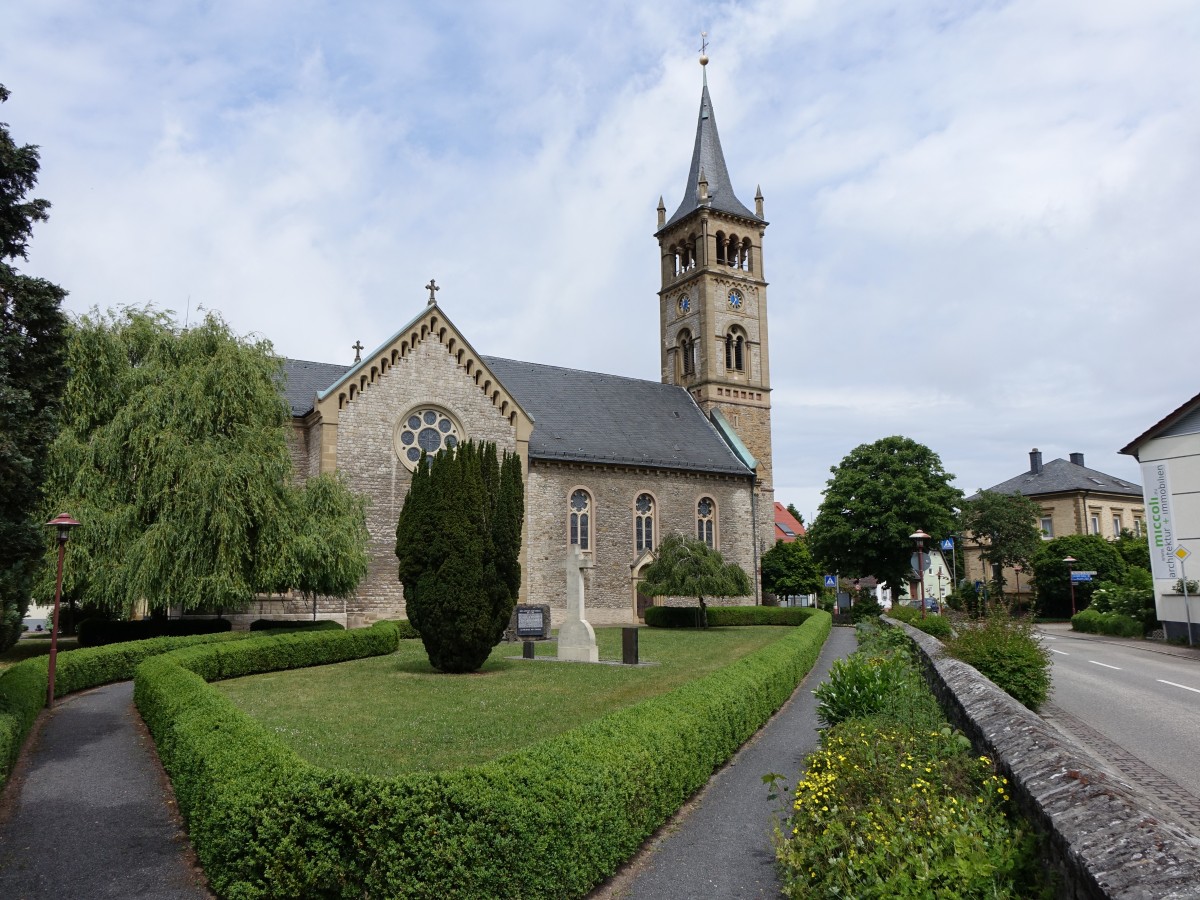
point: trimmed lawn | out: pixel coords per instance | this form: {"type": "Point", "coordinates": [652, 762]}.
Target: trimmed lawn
{"type": "Point", "coordinates": [395, 714]}
{"type": "Point", "coordinates": [29, 647]}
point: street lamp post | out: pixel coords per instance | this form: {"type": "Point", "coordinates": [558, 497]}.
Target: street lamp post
{"type": "Point", "coordinates": [1070, 561]}
{"type": "Point", "coordinates": [1017, 573]}
{"type": "Point", "coordinates": [919, 538]}
{"type": "Point", "coordinates": [64, 524]}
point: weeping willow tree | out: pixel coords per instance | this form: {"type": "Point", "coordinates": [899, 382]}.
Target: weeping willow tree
{"type": "Point", "coordinates": [173, 454]}
{"type": "Point", "coordinates": [689, 568]}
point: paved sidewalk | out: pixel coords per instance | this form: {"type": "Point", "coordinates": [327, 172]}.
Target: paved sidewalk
{"type": "Point", "coordinates": [88, 812]}
{"type": "Point", "coordinates": [719, 846]}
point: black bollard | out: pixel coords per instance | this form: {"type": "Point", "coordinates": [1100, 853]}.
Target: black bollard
{"type": "Point", "coordinates": [629, 646]}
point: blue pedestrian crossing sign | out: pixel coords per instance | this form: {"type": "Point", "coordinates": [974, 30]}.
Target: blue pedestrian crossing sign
{"type": "Point", "coordinates": [831, 581]}
{"type": "Point", "coordinates": [948, 544]}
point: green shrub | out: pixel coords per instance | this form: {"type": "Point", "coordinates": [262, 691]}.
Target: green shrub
{"type": "Point", "coordinates": [858, 686]}
{"type": "Point", "coordinates": [1007, 651]}
{"type": "Point", "coordinates": [865, 608]}
{"type": "Point", "coordinates": [688, 616]}
{"type": "Point", "coordinates": [1095, 622]}
{"type": "Point", "coordinates": [931, 623]}
{"type": "Point", "coordinates": [548, 821]}
{"type": "Point", "coordinates": [1132, 597]}
{"type": "Point", "coordinates": [903, 813]}
{"type": "Point", "coordinates": [23, 687]}
{"type": "Point", "coordinates": [98, 632]}
{"type": "Point", "coordinates": [406, 630]}
{"type": "Point", "coordinates": [295, 625]}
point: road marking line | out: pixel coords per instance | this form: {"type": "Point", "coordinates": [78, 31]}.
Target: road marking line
{"type": "Point", "coordinates": [1063, 652]}
{"type": "Point", "coordinates": [1049, 637]}
{"type": "Point", "coordinates": [1184, 686]}
{"type": "Point", "coordinates": [1106, 665]}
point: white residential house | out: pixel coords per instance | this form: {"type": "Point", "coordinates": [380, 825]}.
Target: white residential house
{"type": "Point", "coordinates": [1169, 453]}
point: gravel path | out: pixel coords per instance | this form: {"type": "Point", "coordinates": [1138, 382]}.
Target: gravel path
{"type": "Point", "coordinates": [89, 813]}
{"type": "Point", "coordinates": [719, 846]}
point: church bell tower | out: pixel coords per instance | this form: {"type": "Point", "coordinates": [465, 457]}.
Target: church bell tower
{"type": "Point", "coordinates": [713, 301]}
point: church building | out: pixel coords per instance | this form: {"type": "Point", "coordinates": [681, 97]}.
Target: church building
{"type": "Point", "coordinates": [611, 463]}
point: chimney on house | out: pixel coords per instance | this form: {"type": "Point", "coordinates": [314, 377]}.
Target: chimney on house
{"type": "Point", "coordinates": [1035, 461]}
{"type": "Point", "coordinates": [1077, 458]}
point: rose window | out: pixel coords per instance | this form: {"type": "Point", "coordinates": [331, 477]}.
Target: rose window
{"type": "Point", "coordinates": [427, 429]}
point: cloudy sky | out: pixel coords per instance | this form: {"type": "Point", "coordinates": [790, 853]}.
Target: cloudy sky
{"type": "Point", "coordinates": [985, 215]}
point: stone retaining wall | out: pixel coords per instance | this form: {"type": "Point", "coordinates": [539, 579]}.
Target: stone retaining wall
{"type": "Point", "coordinates": [1106, 840]}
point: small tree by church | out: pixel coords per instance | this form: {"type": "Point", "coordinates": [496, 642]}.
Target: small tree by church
{"type": "Point", "coordinates": [689, 568]}
{"type": "Point", "coordinates": [458, 542]}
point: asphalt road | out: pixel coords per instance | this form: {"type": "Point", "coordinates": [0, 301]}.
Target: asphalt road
{"type": "Point", "coordinates": [1131, 704]}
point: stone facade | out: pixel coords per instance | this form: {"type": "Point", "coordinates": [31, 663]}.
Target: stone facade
{"type": "Point", "coordinates": [611, 585]}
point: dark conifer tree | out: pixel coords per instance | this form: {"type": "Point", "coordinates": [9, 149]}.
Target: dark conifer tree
{"type": "Point", "coordinates": [458, 545]}
{"type": "Point", "coordinates": [32, 374]}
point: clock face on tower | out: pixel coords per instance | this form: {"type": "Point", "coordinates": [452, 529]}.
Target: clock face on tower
{"type": "Point", "coordinates": [735, 299]}
{"type": "Point", "coordinates": [685, 304]}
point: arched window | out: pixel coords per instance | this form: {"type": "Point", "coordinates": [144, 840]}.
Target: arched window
{"type": "Point", "coordinates": [643, 523]}
{"type": "Point", "coordinates": [706, 519]}
{"type": "Point", "coordinates": [581, 519]}
{"type": "Point", "coordinates": [735, 351]}
{"type": "Point", "coordinates": [721, 248]}
{"type": "Point", "coordinates": [746, 258]}
{"type": "Point", "coordinates": [687, 353]}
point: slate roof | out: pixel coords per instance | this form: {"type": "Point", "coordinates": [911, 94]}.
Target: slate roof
{"type": "Point", "coordinates": [707, 156]}
{"type": "Point", "coordinates": [304, 379]}
{"type": "Point", "coordinates": [592, 417]}
{"type": "Point", "coordinates": [581, 416]}
{"type": "Point", "coordinates": [1060, 476]}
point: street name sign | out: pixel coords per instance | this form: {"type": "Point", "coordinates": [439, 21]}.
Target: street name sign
{"type": "Point", "coordinates": [1082, 576]}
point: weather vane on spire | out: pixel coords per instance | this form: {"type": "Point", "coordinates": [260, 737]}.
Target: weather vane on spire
{"type": "Point", "coordinates": [704, 48]}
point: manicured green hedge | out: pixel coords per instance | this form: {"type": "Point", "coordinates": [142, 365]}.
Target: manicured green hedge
{"type": "Point", "coordinates": [295, 625]}
{"type": "Point", "coordinates": [23, 687]}
{"type": "Point", "coordinates": [548, 821]}
{"type": "Point", "coordinates": [98, 632]}
{"type": "Point", "coordinates": [686, 616]}
{"type": "Point", "coordinates": [408, 631]}
{"type": "Point", "coordinates": [1093, 622]}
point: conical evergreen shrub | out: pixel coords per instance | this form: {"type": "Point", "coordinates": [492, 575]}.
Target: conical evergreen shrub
{"type": "Point", "coordinates": [458, 542]}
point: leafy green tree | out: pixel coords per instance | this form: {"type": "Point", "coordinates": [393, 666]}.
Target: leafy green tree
{"type": "Point", "coordinates": [1052, 576]}
{"type": "Point", "coordinates": [791, 508]}
{"type": "Point", "coordinates": [173, 454]}
{"type": "Point", "coordinates": [1005, 525]}
{"type": "Point", "coordinates": [1134, 549]}
{"type": "Point", "coordinates": [458, 543]}
{"type": "Point", "coordinates": [32, 345]}
{"type": "Point", "coordinates": [684, 567]}
{"type": "Point", "coordinates": [879, 495]}
{"type": "Point", "coordinates": [788, 569]}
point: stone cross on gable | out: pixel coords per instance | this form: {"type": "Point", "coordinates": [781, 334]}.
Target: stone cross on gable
{"type": "Point", "coordinates": [358, 349]}
{"type": "Point", "coordinates": [433, 288]}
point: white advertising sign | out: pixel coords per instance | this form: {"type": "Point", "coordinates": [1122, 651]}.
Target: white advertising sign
{"type": "Point", "coordinates": [1160, 531]}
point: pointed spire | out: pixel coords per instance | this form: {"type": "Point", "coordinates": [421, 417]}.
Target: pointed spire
{"type": "Point", "coordinates": [662, 212]}
{"type": "Point", "coordinates": [758, 202]}
{"type": "Point", "coordinates": [707, 158]}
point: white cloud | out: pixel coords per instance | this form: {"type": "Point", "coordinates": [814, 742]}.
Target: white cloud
{"type": "Point", "coordinates": [978, 209]}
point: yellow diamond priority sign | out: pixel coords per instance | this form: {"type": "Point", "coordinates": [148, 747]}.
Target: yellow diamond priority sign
{"type": "Point", "coordinates": [1182, 553]}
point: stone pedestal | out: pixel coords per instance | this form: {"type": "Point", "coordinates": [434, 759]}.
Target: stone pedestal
{"type": "Point", "coordinates": [576, 638]}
